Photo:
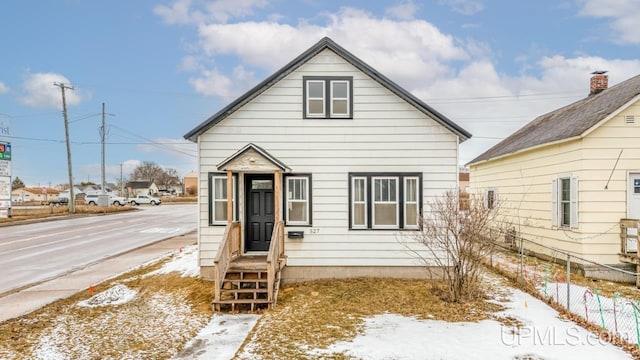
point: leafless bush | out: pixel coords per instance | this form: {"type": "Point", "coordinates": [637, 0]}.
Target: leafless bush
{"type": "Point", "coordinates": [458, 240]}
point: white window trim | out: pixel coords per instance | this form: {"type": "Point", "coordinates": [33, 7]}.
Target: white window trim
{"type": "Point", "coordinates": [556, 206]}
{"type": "Point", "coordinates": [346, 99]}
{"type": "Point", "coordinates": [487, 191]}
{"type": "Point", "coordinates": [416, 202]}
{"type": "Point", "coordinates": [309, 98]}
{"type": "Point", "coordinates": [307, 201]}
{"type": "Point", "coordinates": [214, 200]}
{"type": "Point", "coordinates": [374, 202]}
{"type": "Point", "coordinates": [353, 203]}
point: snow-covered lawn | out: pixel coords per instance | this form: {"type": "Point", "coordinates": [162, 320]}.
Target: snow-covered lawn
{"type": "Point", "coordinates": [131, 317]}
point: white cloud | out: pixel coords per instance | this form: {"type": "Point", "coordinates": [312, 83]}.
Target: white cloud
{"type": "Point", "coordinates": [220, 11]}
{"type": "Point", "coordinates": [41, 93]}
{"type": "Point", "coordinates": [457, 77]}
{"type": "Point", "coordinates": [403, 11]}
{"type": "Point", "coordinates": [3, 88]}
{"type": "Point", "coordinates": [624, 15]}
{"type": "Point", "coordinates": [464, 7]}
{"type": "Point", "coordinates": [399, 49]}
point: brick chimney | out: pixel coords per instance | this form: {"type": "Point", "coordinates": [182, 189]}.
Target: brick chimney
{"type": "Point", "coordinates": [599, 82]}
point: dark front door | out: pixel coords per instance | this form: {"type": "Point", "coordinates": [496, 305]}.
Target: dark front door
{"type": "Point", "coordinates": [260, 204]}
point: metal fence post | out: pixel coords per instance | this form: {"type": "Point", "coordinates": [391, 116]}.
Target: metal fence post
{"type": "Point", "coordinates": [568, 283]}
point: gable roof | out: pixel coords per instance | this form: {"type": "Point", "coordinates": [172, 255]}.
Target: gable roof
{"type": "Point", "coordinates": [139, 184]}
{"type": "Point", "coordinates": [326, 43]}
{"type": "Point", "coordinates": [273, 160]}
{"type": "Point", "coordinates": [567, 122]}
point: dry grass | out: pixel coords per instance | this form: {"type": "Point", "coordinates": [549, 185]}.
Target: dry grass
{"type": "Point", "coordinates": [167, 312]}
{"type": "Point", "coordinates": [317, 314]}
{"type": "Point", "coordinates": [49, 211]}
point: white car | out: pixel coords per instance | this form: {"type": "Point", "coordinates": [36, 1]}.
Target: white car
{"type": "Point", "coordinates": [145, 199]}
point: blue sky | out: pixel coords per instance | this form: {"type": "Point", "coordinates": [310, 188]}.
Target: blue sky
{"type": "Point", "coordinates": [162, 67]}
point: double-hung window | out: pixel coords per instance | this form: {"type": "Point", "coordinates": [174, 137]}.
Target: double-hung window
{"type": "Point", "coordinates": [564, 212]}
{"type": "Point", "coordinates": [298, 199]}
{"type": "Point", "coordinates": [328, 97]}
{"type": "Point", "coordinates": [384, 201]}
{"type": "Point", "coordinates": [490, 198]}
{"type": "Point", "coordinates": [218, 199]}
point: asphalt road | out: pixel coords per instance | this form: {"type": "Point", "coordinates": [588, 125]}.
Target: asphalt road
{"type": "Point", "coordinates": [32, 253]}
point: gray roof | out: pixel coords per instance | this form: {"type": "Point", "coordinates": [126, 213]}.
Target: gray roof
{"type": "Point", "coordinates": [326, 43]}
{"type": "Point", "coordinates": [567, 122]}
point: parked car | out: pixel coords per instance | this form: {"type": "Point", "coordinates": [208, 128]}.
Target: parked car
{"type": "Point", "coordinates": [92, 199]}
{"type": "Point", "coordinates": [145, 199]}
{"type": "Point", "coordinates": [59, 201]}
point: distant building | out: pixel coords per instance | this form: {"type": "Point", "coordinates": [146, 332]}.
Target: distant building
{"type": "Point", "coordinates": [34, 194]}
{"type": "Point", "coordinates": [191, 183]}
{"type": "Point", "coordinates": [135, 188]}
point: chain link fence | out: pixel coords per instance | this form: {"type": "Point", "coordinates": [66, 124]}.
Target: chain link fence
{"type": "Point", "coordinates": [597, 302]}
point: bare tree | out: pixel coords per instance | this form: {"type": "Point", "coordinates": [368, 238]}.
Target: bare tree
{"type": "Point", "coordinates": [17, 183]}
{"type": "Point", "coordinates": [150, 171]}
{"type": "Point", "coordinates": [147, 171]}
{"type": "Point", "coordinates": [458, 241]}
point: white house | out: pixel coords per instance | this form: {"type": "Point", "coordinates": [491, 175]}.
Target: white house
{"type": "Point", "coordinates": [321, 166]}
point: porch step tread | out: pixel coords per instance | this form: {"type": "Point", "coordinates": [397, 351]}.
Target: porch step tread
{"type": "Point", "coordinates": [242, 301]}
{"type": "Point", "coordinates": [245, 291]}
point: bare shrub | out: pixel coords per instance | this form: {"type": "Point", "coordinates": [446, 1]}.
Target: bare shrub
{"type": "Point", "coordinates": [458, 240]}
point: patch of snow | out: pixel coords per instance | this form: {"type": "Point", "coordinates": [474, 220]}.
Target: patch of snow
{"type": "Point", "coordinates": [220, 339]}
{"type": "Point", "coordinates": [115, 295]}
{"type": "Point", "coordinates": [543, 336]}
{"type": "Point", "coordinates": [185, 262]}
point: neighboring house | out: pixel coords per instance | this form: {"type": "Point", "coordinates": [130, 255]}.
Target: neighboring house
{"type": "Point", "coordinates": [191, 183]}
{"type": "Point", "coordinates": [135, 188]}
{"type": "Point", "coordinates": [333, 155]}
{"type": "Point", "coordinates": [567, 178]}
{"type": "Point", "coordinates": [76, 193]}
{"type": "Point", "coordinates": [35, 194]}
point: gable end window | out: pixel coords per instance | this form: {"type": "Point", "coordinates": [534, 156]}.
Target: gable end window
{"type": "Point", "coordinates": [218, 199]}
{"type": "Point", "coordinates": [564, 211]}
{"type": "Point", "coordinates": [384, 200]}
{"type": "Point", "coordinates": [297, 199]}
{"type": "Point", "coordinates": [327, 97]}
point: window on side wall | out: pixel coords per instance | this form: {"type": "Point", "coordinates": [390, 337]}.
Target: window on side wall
{"type": "Point", "coordinates": [327, 97]}
{"type": "Point", "coordinates": [564, 212]}
{"type": "Point", "coordinates": [298, 199]}
{"type": "Point", "coordinates": [490, 198]}
{"type": "Point", "coordinates": [384, 201]}
{"type": "Point", "coordinates": [218, 199]}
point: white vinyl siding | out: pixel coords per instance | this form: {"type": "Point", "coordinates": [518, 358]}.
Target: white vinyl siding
{"type": "Point", "coordinates": [297, 200]}
{"type": "Point", "coordinates": [385, 135]}
{"type": "Point", "coordinates": [359, 203]}
{"type": "Point", "coordinates": [218, 210]}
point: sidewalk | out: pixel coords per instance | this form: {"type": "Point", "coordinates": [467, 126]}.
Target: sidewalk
{"type": "Point", "coordinates": [32, 298]}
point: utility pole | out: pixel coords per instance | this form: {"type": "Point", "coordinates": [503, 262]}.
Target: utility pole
{"type": "Point", "coordinates": [121, 183]}
{"type": "Point", "coordinates": [72, 199]}
{"type": "Point", "coordinates": [102, 137]}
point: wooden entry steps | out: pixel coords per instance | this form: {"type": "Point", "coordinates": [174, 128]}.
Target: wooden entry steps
{"type": "Point", "coordinates": [245, 286]}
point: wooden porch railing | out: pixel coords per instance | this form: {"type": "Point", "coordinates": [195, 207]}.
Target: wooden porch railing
{"type": "Point", "coordinates": [228, 250]}
{"type": "Point", "coordinates": [629, 235]}
{"type": "Point", "coordinates": [275, 259]}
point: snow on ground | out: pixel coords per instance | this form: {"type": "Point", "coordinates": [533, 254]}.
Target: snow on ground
{"type": "Point", "coordinates": [220, 339]}
{"type": "Point", "coordinates": [115, 295]}
{"type": "Point", "coordinates": [185, 262]}
{"type": "Point", "coordinates": [542, 336]}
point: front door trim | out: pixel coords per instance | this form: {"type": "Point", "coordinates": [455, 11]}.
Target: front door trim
{"type": "Point", "coordinates": [259, 212]}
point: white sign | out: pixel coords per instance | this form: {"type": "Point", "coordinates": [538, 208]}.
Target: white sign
{"type": "Point", "coordinates": [5, 188]}
{"type": "Point", "coordinates": [5, 168]}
